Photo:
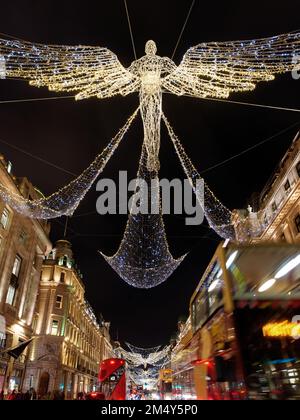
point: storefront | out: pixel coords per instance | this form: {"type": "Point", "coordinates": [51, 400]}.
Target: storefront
{"type": "Point", "coordinates": [15, 380]}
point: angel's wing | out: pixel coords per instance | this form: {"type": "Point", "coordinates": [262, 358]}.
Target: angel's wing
{"type": "Point", "coordinates": [88, 71]}
{"type": "Point", "coordinates": [216, 69]}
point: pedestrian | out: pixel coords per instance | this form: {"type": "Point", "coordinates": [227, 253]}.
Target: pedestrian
{"type": "Point", "coordinates": [32, 393]}
{"type": "Point", "coordinates": [27, 395]}
{"type": "Point", "coordinates": [12, 395]}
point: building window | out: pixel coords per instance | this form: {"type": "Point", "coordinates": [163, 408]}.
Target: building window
{"type": "Point", "coordinates": [54, 327]}
{"type": "Point", "coordinates": [274, 206]}
{"type": "Point", "coordinates": [14, 280]}
{"type": "Point", "coordinates": [287, 186]}
{"type": "Point", "coordinates": [297, 223]}
{"type": "Point", "coordinates": [62, 277]}
{"type": "Point", "coordinates": [10, 297]}
{"type": "Point", "coordinates": [298, 168]}
{"type": "Point", "coordinates": [23, 237]}
{"type": "Point", "coordinates": [4, 218]}
{"type": "Point", "coordinates": [59, 302]}
{"type": "Point", "coordinates": [9, 167]}
{"type": "Point", "coordinates": [17, 266]}
{"type": "Point", "coordinates": [282, 237]}
{"type": "Point", "coordinates": [2, 340]}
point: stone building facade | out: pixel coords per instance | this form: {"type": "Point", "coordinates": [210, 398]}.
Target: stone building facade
{"type": "Point", "coordinates": [70, 342]}
{"type": "Point", "coordinates": [23, 244]}
{"type": "Point", "coordinates": [277, 213]}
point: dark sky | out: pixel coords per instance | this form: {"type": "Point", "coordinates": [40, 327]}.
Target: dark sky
{"type": "Point", "coordinates": [70, 133]}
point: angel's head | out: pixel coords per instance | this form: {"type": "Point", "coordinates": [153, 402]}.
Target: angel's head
{"type": "Point", "coordinates": [150, 48]}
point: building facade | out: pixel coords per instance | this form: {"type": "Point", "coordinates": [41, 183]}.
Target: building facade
{"type": "Point", "coordinates": [23, 244]}
{"type": "Point", "coordinates": [280, 199]}
{"type": "Point", "coordinates": [277, 216]}
{"type": "Point", "coordinates": [70, 343]}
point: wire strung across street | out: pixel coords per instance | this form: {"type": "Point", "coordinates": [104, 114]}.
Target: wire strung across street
{"type": "Point", "coordinates": [183, 29]}
{"type": "Point", "coordinates": [249, 149]}
{"type": "Point", "coordinates": [50, 98]}
{"type": "Point", "coordinates": [47, 162]}
{"type": "Point", "coordinates": [130, 29]}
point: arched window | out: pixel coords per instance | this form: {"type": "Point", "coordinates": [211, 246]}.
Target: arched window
{"type": "Point", "coordinates": [65, 260]}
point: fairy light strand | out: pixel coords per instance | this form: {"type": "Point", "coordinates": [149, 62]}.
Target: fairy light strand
{"type": "Point", "coordinates": [211, 70]}
{"type": "Point", "coordinates": [66, 200]}
{"type": "Point", "coordinates": [143, 259]}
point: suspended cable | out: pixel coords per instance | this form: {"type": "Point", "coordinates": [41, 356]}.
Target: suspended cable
{"type": "Point", "coordinates": [130, 29]}
{"type": "Point", "coordinates": [74, 232]}
{"type": "Point", "coordinates": [279, 108]}
{"type": "Point", "coordinates": [51, 98]}
{"type": "Point", "coordinates": [37, 158]}
{"type": "Point", "coordinates": [183, 28]}
{"type": "Point", "coordinates": [250, 148]}
{"type": "Point", "coordinates": [12, 37]}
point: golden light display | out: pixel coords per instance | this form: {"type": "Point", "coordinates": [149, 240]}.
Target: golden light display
{"type": "Point", "coordinates": [207, 70]}
{"type": "Point", "coordinates": [281, 330]}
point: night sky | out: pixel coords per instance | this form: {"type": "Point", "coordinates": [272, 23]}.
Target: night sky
{"type": "Point", "coordinates": [69, 134]}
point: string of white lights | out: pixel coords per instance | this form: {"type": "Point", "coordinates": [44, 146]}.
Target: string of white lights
{"type": "Point", "coordinates": [207, 70]}
{"type": "Point", "coordinates": [141, 361]}
{"type": "Point", "coordinates": [217, 215]}
{"type": "Point", "coordinates": [216, 69]}
{"type": "Point", "coordinates": [66, 200]}
{"type": "Point", "coordinates": [143, 258]}
{"type": "Point", "coordinates": [142, 350]}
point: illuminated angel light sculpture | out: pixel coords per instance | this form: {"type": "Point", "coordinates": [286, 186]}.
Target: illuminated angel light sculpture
{"type": "Point", "coordinates": [211, 70]}
{"type": "Point", "coordinates": [142, 358]}
{"type": "Point", "coordinates": [207, 70]}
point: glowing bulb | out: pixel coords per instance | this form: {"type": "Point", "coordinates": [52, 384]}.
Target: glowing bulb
{"type": "Point", "coordinates": [267, 285]}
{"type": "Point", "coordinates": [288, 267]}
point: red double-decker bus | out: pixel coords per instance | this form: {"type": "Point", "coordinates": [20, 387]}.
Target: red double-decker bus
{"type": "Point", "coordinates": [112, 377]}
